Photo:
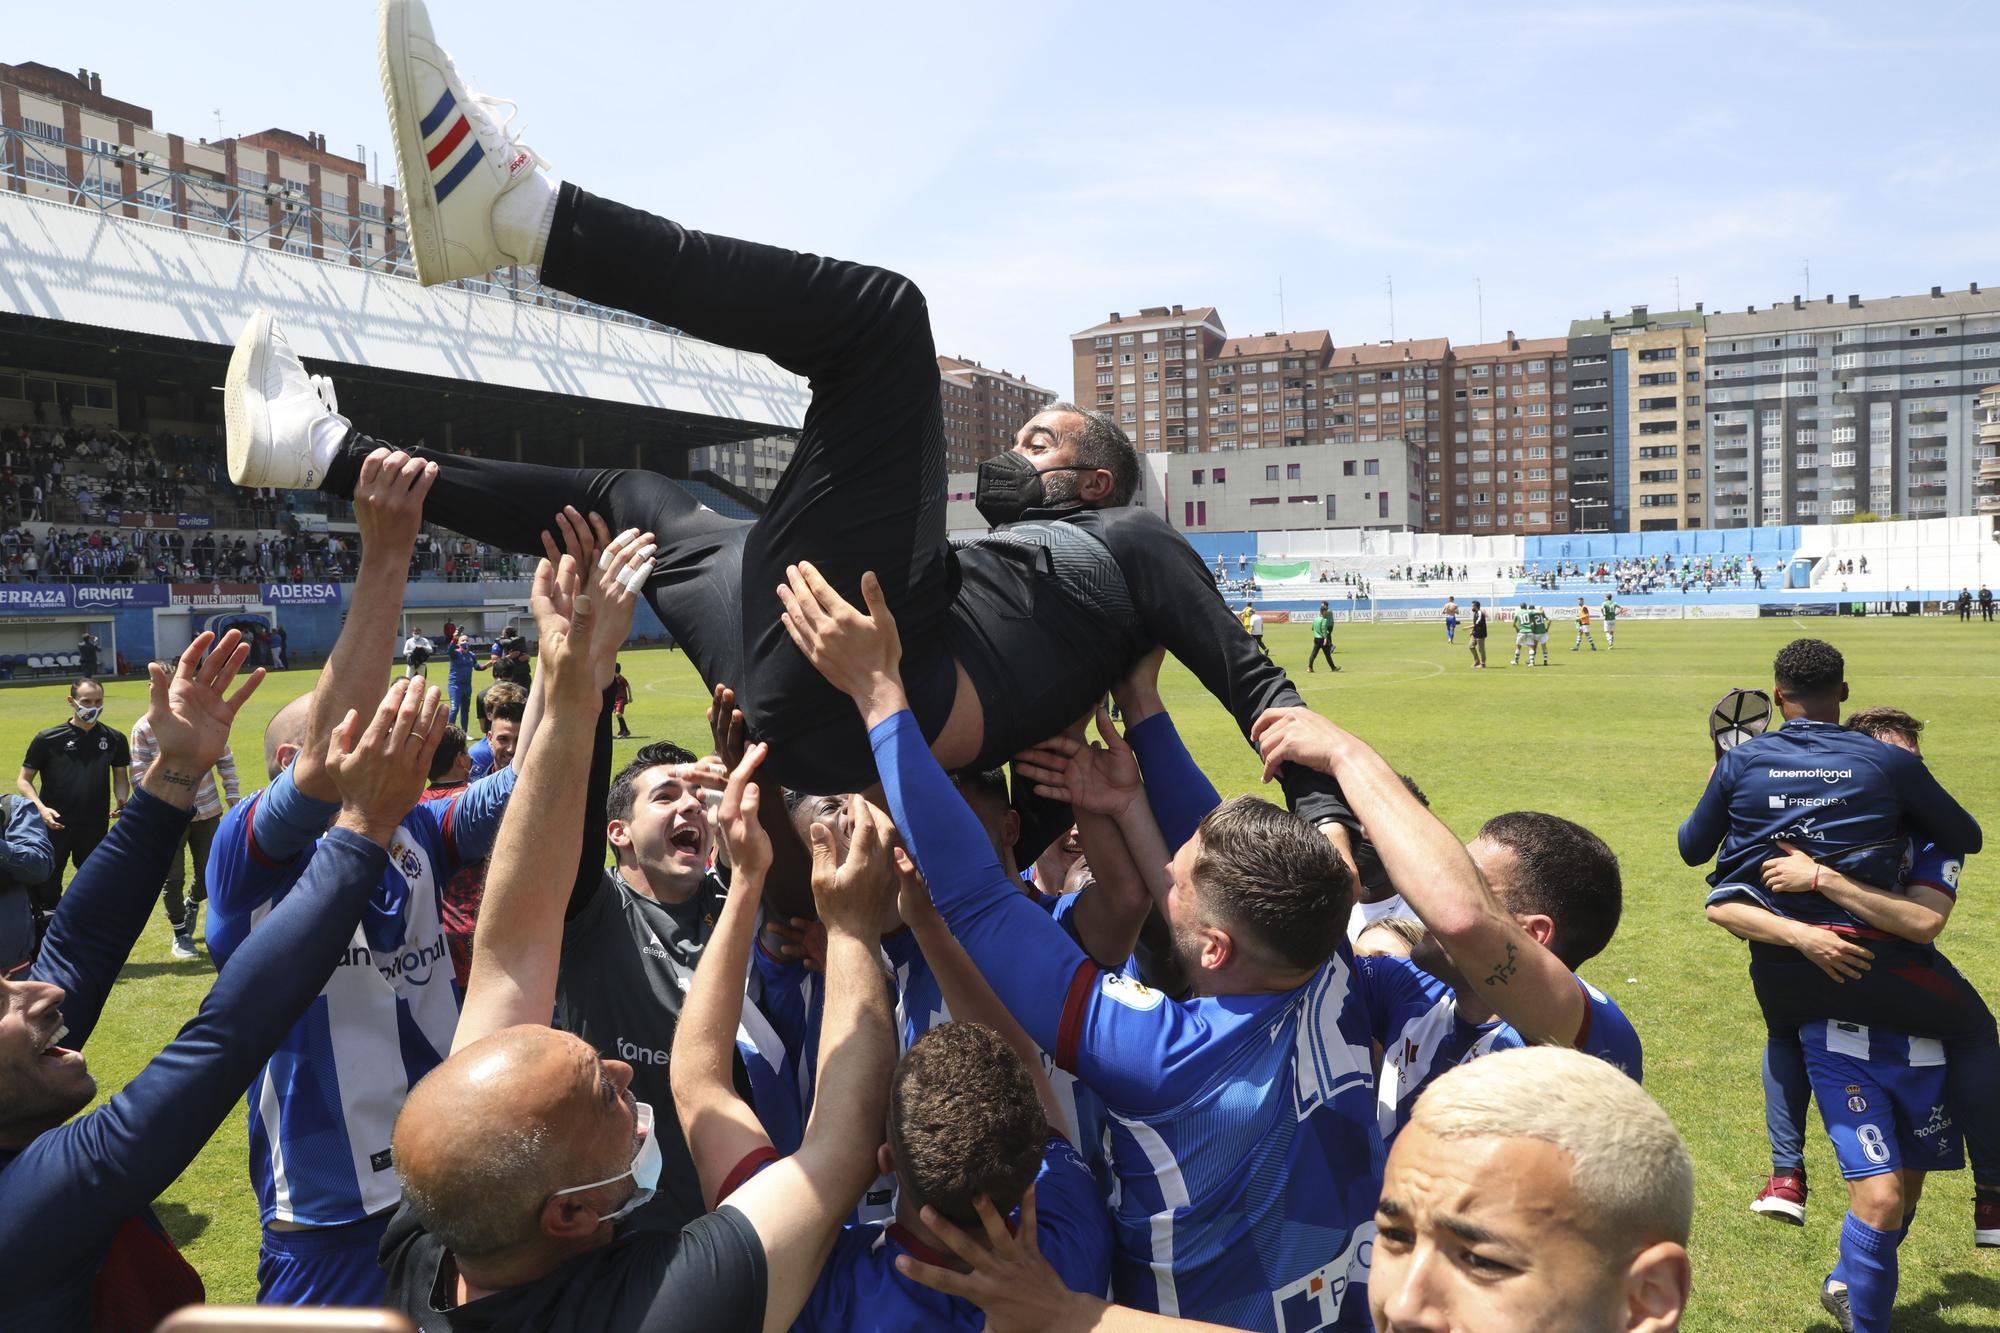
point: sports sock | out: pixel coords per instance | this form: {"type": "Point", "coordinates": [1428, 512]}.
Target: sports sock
{"type": "Point", "coordinates": [1868, 1266]}
{"type": "Point", "coordinates": [329, 433]}
{"type": "Point", "coordinates": [523, 216]}
{"type": "Point", "coordinates": [1787, 1094]}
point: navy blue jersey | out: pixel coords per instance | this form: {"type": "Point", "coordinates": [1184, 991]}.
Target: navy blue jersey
{"type": "Point", "coordinates": [1846, 799]}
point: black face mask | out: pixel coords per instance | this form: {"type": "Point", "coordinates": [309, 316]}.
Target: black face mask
{"type": "Point", "coordinates": [1009, 486]}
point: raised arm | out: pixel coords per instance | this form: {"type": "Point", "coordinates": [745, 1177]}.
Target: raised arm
{"type": "Point", "coordinates": [722, 1132]}
{"type": "Point", "coordinates": [108, 903]}
{"type": "Point", "coordinates": [517, 945]}
{"type": "Point", "coordinates": [85, 1179]}
{"type": "Point", "coordinates": [1929, 808]}
{"type": "Point", "coordinates": [388, 510]}
{"type": "Point", "coordinates": [797, 1206]}
{"type": "Point", "coordinates": [1702, 832]}
{"type": "Point", "coordinates": [1523, 982]}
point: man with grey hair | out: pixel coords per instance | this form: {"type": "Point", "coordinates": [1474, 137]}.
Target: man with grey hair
{"type": "Point", "coordinates": [1011, 637]}
{"type": "Point", "coordinates": [1536, 1189]}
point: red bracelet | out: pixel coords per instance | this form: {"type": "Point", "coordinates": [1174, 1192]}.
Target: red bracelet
{"type": "Point", "coordinates": [1815, 882]}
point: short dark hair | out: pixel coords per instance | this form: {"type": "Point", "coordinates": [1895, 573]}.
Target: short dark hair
{"type": "Point", "coordinates": [1270, 873]}
{"type": "Point", "coordinates": [1883, 722]}
{"type": "Point", "coordinates": [625, 787]}
{"type": "Point", "coordinates": [450, 746]}
{"type": "Point", "coordinates": [82, 681]}
{"type": "Point", "coordinates": [1410, 786]}
{"type": "Point", "coordinates": [1568, 874]}
{"type": "Point", "coordinates": [990, 783]}
{"type": "Point", "coordinates": [1809, 670]}
{"type": "Point", "coordinates": [1100, 443]}
{"type": "Point", "coordinates": [965, 1121]}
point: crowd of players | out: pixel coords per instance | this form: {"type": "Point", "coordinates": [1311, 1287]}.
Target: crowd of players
{"type": "Point", "coordinates": [857, 1031]}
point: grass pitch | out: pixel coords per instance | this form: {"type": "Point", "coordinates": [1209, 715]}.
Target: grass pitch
{"type": "Point", "coordinates": [1613, 739]}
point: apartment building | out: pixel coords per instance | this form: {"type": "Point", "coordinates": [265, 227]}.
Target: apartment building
{"type": "Point", "coordinates": [1302, 487]}
{"type": "Point", "coordinates": [1822, 409]}
{"type": "Point", "coordinates": [1986, 453]}
{"type": "Point", "coordinates": [1145, 371]}
{"type": "Point", "coordinates": [62, 137]}
{"type": "Point", "coordinates": [1597, 494]}
{"type": "Point", "coordinates": [983, 409]}
{"type": "Point", "coordinates": [755, 465]}
{"type": "Point", "coordinates": [1509, 470]}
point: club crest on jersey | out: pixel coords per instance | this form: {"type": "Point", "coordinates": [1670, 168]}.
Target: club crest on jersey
{"type": "Point", "coordinates": [1132, 994]}
{"type": "Point", "coordinates": [1857, 1104]}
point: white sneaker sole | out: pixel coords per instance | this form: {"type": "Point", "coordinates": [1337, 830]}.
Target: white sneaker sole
{"type": "Point", "coordinates": [1987, 1239]}
{"type": "Point", "coordinates": [1794, 1213]}
{"type": "Point", "coordinates": [413, 181]}
{"type": "Point", "coordinates": [247, 425]}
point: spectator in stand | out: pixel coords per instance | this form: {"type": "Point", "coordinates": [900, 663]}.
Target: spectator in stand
{"type": "Point", "coordinates": [184, 909]}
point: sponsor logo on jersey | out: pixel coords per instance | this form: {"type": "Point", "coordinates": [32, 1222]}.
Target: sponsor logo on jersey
{"type": "Point", "coordinates": [1811, 802]}
{"type": "Point", "coordinates": [412, 965]}
{"type": "Point", "coordinates": [634, 1054]}
{"type": "Point", "coordinates": [1823, 774]}
{"type": "Point", "coordinates": [1949, 873]}
{"type": "Point", "coordinates": [1314, 1301]}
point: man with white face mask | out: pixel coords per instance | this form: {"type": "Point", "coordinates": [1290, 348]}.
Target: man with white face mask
{"type": "Point", "coordinates": [73, 759]}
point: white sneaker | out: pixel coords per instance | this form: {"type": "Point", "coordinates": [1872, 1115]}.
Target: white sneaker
{"type": "Point", "coordinates": [184, 947]}
{"type": "Point", "coordinates": [270, 408]}
{"type": "Point", "coordinates": [454, 156]}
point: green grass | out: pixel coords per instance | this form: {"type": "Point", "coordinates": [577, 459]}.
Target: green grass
{"type": "Point", "coordinates": [1614, 740]}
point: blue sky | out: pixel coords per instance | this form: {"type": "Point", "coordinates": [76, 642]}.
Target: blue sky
{"type": "Point", "coordinates": [1035, 166]}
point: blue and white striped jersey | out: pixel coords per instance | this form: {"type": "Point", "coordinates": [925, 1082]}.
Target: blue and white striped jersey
{"type": "Point", "coordinates": [323, 1109]}
{"type": "Point", "coordinates": [1415, 1019]}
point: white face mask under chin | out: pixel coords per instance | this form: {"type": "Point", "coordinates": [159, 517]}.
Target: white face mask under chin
{"type": "Point", "coordinates": [645, 1170]}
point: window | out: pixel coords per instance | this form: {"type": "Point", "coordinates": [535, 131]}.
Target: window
{"type": "Point", "coordinates": [1331, 508]}
{"type": "Point", "coordinates": [1271, 472]}
{"type": "Point", "coordinates": [1199, 473]}
{"type": "Point", "coordinates": [1382, 505]}
{"type": "Point", "coordinates": [1219, 478]}
{"type": "Point", "coordinates": [1346, 467]}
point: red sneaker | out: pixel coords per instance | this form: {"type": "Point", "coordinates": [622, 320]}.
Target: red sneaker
{"type": "Point", "coordinates": [1784, 1197]}
{"type": "Point", "coordinates": [1986, 1223]}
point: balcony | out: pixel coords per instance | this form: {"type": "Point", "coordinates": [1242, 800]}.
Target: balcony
{"type": "Point", "coordinates": [1928, 465]}
{"type": "Point", "coordinates": [1936, 487]}
{"type": "Point", "coordinates": [1927, 418]}
{"type": "Point", "coordinates": [1589, 481]}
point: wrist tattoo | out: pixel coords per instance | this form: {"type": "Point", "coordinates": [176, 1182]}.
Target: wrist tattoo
{"type": "Point", "coordinates": [173, 779]}
{"type": "Point", "coordinates": [1504, 973]}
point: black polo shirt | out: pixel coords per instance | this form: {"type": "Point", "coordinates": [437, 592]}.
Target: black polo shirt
{"type": "Point", "coordinates": [75, 766]}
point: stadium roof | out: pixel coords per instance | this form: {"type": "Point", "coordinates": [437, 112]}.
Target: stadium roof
{"type": "Point", "coordinates": [81, 266]}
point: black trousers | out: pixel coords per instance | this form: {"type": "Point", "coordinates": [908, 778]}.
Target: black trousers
{"type": "Point", "coordinates": [69, 846]}
{"type": "Point", "coordinates": [1321, 647]}
{"type": "Point", "coordinates": [865, 489]}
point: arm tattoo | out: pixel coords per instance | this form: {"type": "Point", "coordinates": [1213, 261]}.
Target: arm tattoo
{"type": "Point", "coordinates": [172, 778]}
{"type": "Point", "coordinates": [1504, 972]}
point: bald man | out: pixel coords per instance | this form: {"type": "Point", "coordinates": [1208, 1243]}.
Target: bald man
{"type": "Point", "coordinates": [522, 1153]}
{"type": "Point", "coordinates": [1537, 1190]}
{"type": "Point", "coordinates": [321, 1110]}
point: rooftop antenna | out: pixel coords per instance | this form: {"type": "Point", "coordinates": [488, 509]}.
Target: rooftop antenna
{"type": "Point", "coordinates": [1677, 291]}
{"type": "Point", "coordinates": [1808, 267]}
{"type": "Point", "coordinates": [1480, 287]}
{"type": "Point", "coordinates": [217, 113]}
{"type": "Point", "coordinates": [1392, 307]}
{"type": "Point", "coordinates": [1281, 302]}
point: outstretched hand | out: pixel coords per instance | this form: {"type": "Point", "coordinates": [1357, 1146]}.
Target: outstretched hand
{"type": "Point", "coordinates": [1102, 778]}
{"type": "Point", "coordinates": [565, 618]}
{"type": "Point", "coordinates": [1010, 1280]}
{"type": "Point", "coordinates": [725, 726]}
{"type": "Point", "coordinates": [1298, 736]}
{"type": "Point", "coordinates": [742, 832]}
{"type": "Point", "coordinates": [382, 772]}
{"type": "Point", "coordinates": [855, 895]}
{"type": "Point", "coordinates": [389, 501]}
{"type": "Point", "coordinates": [860, 655]}
{"type": "Point", "coordinates": [190, 713]}
{"type": "Point", "coordinates": [615, 569]}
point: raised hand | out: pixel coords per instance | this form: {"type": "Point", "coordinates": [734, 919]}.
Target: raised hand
{"type": "Point", "coordinates": [1101, 778]}
{"type": "Point", "coordinates": [389, 500]}
{"type": "Point", "coordinates": [1138, 694]}
{"type": "Point", "coordinates": [1298, 736]}
{"type": "Point", "coordinates": [191, 713]}
{"type": "Point", "coordinates": [855, 895]}
{"type": "Point", "coordinates": [564, 619]}
{"type": "Point", "coordinates": [860, 655]}
{"type": "Point", "coordinates": [749, 845]}
{"type": "Point", "coordinates": [725, 726]}
{"type": "Point", "coordinates": [1008, 1278]}
{"type": "Point", "coordinates": [615, 569]}
{"type": "Point", "coordinates": [381, 772]}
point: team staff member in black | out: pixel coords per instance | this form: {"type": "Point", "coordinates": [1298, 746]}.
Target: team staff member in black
{"type": "Point", "coordinates": [1478, 637]}
{"type": "Point", "coordinates": [73, 759]}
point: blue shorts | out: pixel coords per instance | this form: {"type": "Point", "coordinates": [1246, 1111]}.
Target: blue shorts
{"type": "Point", "coordinates": [1883, 1117]}
{"type": "Point", "coordinates": [324, 1266]}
